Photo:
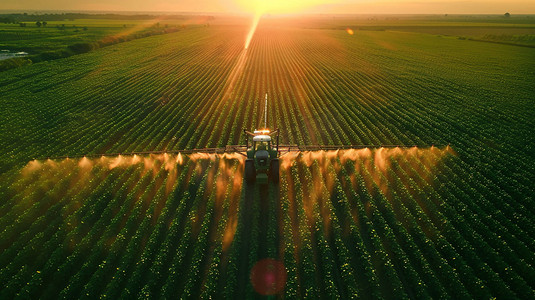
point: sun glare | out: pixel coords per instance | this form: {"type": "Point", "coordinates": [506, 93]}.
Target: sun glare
{"type": "Point", "coordinates": [260, 7]}
{"type": "Point", "coordinates": [280, 6]}
{"type": "Point", "coordinates": [252, 30]}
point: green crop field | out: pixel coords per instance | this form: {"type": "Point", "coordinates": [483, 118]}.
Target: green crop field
{"type": "Point", "coordinates": [55, 36]}
{"type": "Point", "coordinates": [452, 218]}
{"type": "Point", "coordinates": [59, 33]}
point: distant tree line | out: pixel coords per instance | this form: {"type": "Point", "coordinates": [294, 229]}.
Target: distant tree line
{"type": "Point", "coordinates": [38, 24]}
{"type": "Point", "coordinates": [82, 47]}
{"type": "Point", "coordinates": [25, 17]}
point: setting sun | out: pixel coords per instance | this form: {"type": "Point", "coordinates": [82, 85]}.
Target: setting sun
{"type": "Point", "coordinates": [261, 7]}
{"type": "Point", "coordinates": [280, 6]}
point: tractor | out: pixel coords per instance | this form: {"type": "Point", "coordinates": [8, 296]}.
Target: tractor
{"type": "Point", "coordinates": [262, 163]}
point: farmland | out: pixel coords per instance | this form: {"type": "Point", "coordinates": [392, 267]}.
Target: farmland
{"type": "Point", "coordinates": [55, 36]}
{"type": "Point", "coordinates": [59, 34]}
{"type": "Point", "coordinates": [419, 222]}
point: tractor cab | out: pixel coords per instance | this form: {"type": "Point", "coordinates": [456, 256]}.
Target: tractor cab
{"type": "Point", "coordinates": [261, 146]}
{"type": "Point", "coordinates": [262, 161]}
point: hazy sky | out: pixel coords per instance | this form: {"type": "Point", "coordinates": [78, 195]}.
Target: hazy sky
{"type": "Point", "coordinates": [323, 6]}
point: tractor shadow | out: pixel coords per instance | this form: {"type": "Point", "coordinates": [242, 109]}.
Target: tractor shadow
{"type": "Point", "coordinates": [260, 202]}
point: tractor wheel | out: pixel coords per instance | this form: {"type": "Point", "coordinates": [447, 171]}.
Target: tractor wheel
{"type": "Point", "coordinates": [274, 170]}
{"type": "Point", "coordinates": [250, 172]}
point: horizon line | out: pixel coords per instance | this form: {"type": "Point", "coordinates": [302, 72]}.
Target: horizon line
{"type": "Point", "coordinates": [151, 12]}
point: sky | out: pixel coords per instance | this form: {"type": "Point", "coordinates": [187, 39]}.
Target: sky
{"type": "Point", "coordinates": [283, 6]}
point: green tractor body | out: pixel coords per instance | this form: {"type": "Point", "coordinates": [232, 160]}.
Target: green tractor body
{"type": "Point", "coordinates": [262, 163]}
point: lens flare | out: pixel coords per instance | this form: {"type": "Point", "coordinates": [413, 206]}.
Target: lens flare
{"type": "Point", "coordinates": [268, 276]}
{"type": "Point", "coordinates": [262, 7]}
{"type": "Point", "coordinates": [234, 75]}
{"type": "Point", "coordinates": [252, 30]}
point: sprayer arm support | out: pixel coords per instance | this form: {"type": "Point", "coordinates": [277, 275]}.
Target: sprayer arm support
{"type": "Point", "coordinates": [274, 132]}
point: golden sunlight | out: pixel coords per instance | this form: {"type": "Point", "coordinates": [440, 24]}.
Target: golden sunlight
{"type": "Point", "coordinates": [261, 7]}
{"type": "Point", "coordinates": [280, 6]}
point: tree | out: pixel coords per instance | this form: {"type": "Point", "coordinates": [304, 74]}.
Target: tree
{"type": "Point", "coordinates": [44, 23]}
{"type": "Point", "coordinates": [38, 24]}
{"type": "Point", "coordinates": [507, 15]}
{"type": "Point", "coordinates": [7, 20]}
